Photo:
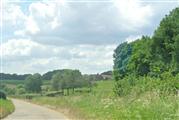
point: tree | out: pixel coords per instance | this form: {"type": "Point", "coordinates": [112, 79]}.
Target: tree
{"type": "Point", "coordinates": [2, 95]}
{"type": "Point", "coordinates": [140, 60]}
{"type": "Point", "coordinates": [4, 76]}
{"type": "Point", "coordinates": [67, 79]}
{"type": "Point", "coordinates": [176, 53]}
{"type": "Point", "coordinates": [33, 83]}
{"type": "Point", "coordinates": [56, 82]}
{"type": "Point", "coordinates": [121, 58]}
{"type": "Point", "coordinates": [164, 39]}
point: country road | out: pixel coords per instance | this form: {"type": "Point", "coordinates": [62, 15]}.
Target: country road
{"type": "Point", "coordinates": [29, 111]}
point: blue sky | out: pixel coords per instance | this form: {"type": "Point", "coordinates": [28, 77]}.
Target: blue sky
{"type": "Point", "coordinates": [38, 36]}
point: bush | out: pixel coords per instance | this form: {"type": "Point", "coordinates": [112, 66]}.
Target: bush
{"type": "Point", "coordinates": [123, 87]}
{"type": "Point", "coordinates": [168, 84]}
{"type": "Point", "coordinates": [2, 95]}
{"type": "Point", "coordinates": [164, 86]}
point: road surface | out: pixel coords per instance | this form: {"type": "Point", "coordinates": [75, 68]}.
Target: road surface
{"type": "Point", "coordinates": [29, 111]}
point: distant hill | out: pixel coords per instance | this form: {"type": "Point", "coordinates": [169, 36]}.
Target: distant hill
{"type": "Point", "coordinates": [7, 76]}
{"type": "Point", "coordinates": [48, 75]}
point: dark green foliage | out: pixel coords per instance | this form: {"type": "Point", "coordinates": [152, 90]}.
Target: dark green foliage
{"type": "Point", "coordinates": [121, 57]}
{"type": "Point", "coordinates": [4, 76]}
{"type": "Point", "coordinates": [165, 39]}
{"type": "Point", "coordinates": [33, 83]}
{"type": "Point", "coordinates": [49, 75]}
{"type": "Point", "coordinates": [2, 95]}
{"type": "Point", "coordinates": [141, 57]}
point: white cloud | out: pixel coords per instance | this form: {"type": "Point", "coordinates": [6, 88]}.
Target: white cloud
{"type": "Point", "coordinates": [73, 35]}
{"type": "Point", "coordinates": [133, 14]}
{"type": "Point", "coordinates": [12, 14]}
{"type": "Point", "coordinates": [132, 38]}
{"type": "Point", "coordinates": [30, 56]}
{"type": "Point", "coordinates": [60, 23]}
{"type": "Point", "coordinates": [19, 47]}
{"type": "Point", "coordinates": [31, 26]}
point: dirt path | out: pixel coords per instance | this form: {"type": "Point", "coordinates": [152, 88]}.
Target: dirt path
{"type": "Point", "coordinates": [29, 111]}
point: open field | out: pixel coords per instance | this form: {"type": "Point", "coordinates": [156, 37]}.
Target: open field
{"type": "Point", "coordinates": [12, 82]}
{"type": "Point", "coordinates": [102, 104]}
{"type": "Point", "coordinates": [6, 107]}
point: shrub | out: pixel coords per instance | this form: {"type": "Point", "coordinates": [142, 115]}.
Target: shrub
{"type": "Point", "coordinates": [168, 84]}
{"type": "Point", "coordinates": [2, 95]}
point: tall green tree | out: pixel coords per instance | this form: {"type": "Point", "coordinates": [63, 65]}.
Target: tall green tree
{"type": "Point", "coordinates": [67, 79]}
{"type": "Point", "coordinates": [139, 62]}
{"type": "Point", "coordinates": [121, 58]}
{"type": "Point", "coordinates": [33, 83]}
{"type": "Point", "coordinates": [164, 38]}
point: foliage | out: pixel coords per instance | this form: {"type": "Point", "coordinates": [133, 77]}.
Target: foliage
{"type": "Point", "coordinates": [151, 56]}
{"type": "Point", "coordinates": [121, 57]}
{"type": "Point", "coordinates": [141, 57]}
{"type": "Point", "coordinates": [68, 79]}
{"type": "Point", "coordinates": [164, 86]}
{"type": "Point", "coordinates": [164, 44]}
{"type": "Point", "coordinates": [2, 95]}
{"type": "Point", "coordinates": [4, 76]}
{"type": "Point", "coordinates": [33, 83]}
{"type": "Point", "coordinates": [49, 75]}
{"type": "Point", "coordinates": [153, 62]}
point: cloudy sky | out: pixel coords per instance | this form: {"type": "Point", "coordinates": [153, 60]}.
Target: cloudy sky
{"type": "Point", "coordinates": [38, 36]}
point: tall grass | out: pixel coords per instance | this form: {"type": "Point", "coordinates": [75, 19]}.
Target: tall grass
{"type": "Point", "coordinates": [102, 104]}
{"type": "Point", "coordinates": [6, 107]}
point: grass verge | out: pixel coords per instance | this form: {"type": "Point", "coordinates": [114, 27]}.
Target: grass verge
{"type": "Point", "coordinates": [101, 104]}
{"type": "Point", "coordinates": [6, 108]}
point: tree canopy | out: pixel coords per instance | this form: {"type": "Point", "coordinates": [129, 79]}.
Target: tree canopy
{"type": "Point", "coordinates": [68, 79]}
{"type": "Point", "coordinates": [151, 56]}
{"type": "Point", "coordinates": [33, 83]}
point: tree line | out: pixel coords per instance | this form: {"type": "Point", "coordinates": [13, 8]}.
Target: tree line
{"type": "Point", "coordinates": [6, 76]}
{"type": "Point", "coordinates": [61, 80]}
{"type": "Point", "coordinates": [48, 76]}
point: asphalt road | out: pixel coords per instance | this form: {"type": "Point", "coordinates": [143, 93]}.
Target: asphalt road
{"type": "Point", "coordinates": [29, 111]}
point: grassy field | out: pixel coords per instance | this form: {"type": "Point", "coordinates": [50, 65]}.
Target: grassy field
{"type": "Point", "coordinates": [14, 82]}
{"type": "Point", "coordinates": [102, 104]}
{"type": "Point", "coordinates": [6, 107]}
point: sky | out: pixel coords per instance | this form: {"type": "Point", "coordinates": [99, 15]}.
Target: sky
{"type": "Point", "coordinates": [44, 35]}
